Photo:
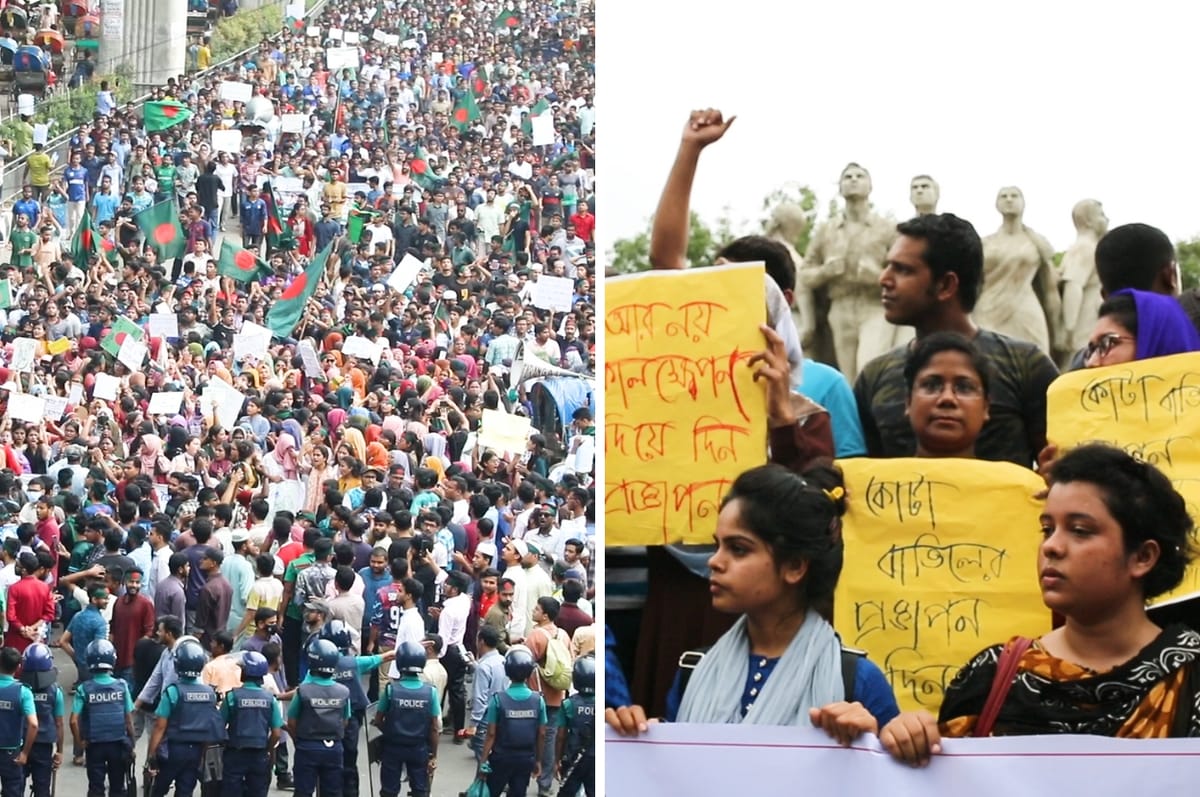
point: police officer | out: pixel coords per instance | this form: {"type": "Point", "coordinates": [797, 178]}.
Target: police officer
{"type": "Point", "coordinates": [350, 670]}
{"type": "Point", "coordinates": [187, 715]}
{"type": "Point", "coordinates": [317, 720]}
{"type": "Point", "coordinates": [576, 747]}
{"type": "Point", "coordinates": [102, 721]}
{"type": "Point", "coordinates": [18, 725]}
{"type": "Point", "coordinates": [516, 721]}
{"type": "Point", "coordinates": [38, 673]}
{"type": "Point", "coordinates": [254, 718]}
{"type": "Point", "coordinates": [408, 715]}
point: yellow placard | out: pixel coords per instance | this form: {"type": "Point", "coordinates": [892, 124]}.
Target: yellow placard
{"type": "Point", "coordinates": [1151, 409]}
{"type": "Point", "coordinates": [682, 413]}
{"type": "Point", "coordinates": [941, 562]}
{"type": "Point", "coordinates": [503, 432]}
{"type": "Point", "coordinates": [59, 346]}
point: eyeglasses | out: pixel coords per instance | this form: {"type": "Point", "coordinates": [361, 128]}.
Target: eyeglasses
{"type": "Point", "coordinates": [963, 388]}
{"type": "Point", "coordinates": [1105, 344]}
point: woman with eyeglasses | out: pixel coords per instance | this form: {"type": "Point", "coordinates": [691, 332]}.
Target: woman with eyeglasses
{"type": "Point", "coordinates": [947, 400]}
{"type": "Point", "coordinates": [1138, 325]}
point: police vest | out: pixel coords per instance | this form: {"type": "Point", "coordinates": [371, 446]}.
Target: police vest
{"type": "Point", "coordinates": [347, 675]}
{"type": "Point", "coordinates": [322, 711]}
{"type": "Point", "coordinates": [12, 719]}
{"type": "Point", "coordinates": [517, 725]}
{"type": "Point", "coordinates": [194, 717]}
{"type": "Point", "coordinates": [250, 718]}
{"type": "Point", "coordinates": [44, 701]}
{"type": "Point", "coordinates": [581, 726]}
{"type": "Point", "coordinates": [409, 714]}
{"type": "Point", "coordinates": [104, 711]}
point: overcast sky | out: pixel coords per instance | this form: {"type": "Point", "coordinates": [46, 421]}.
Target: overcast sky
{"type": "Point", "coordinates": [1065, 99]}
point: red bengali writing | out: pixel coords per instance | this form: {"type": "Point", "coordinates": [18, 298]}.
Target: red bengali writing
{"type": "Point", "coordinates": [645, 441]}
{"type": "Point", "coordinates": [670, 377]}
{"type": "Point", "coordinates": [673, 503]}
{"type": "Point", "coordinates": [691, 321]}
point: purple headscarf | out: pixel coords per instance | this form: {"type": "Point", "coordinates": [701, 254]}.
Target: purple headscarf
{"type": "Point", "coordinates": [1163, 327]}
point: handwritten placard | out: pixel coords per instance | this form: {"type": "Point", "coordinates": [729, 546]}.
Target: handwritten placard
{"type": "Point", "coordinates": [164, 325]}
{"type": "Point", "coordinates": [683, 415]}
{"type": "Point", "coordinates": [552, 293]}
{"type": "Point", "coordinates": [925, 585]}
{"type": "Point", "coordinates": [165, 403]}
{"type": "Point", "coordinates": [24, 352]}
{"type": "Point", "coordinates": [234, 91]}
{"type": "Point", "coordinates": [503, 432]}
{"type": "Point", "coordinates": [1150, 408]}
{"type": "Point", "coordinates": [341, 57]}
{"type": "Point", "coordinates": [25, 407]}
{"type": "Point", "coordinates": [56, 407]}
{"type": "Point", "coordinates": [312, 365]}
{"type": "Point", "coordinates": [106, 387]}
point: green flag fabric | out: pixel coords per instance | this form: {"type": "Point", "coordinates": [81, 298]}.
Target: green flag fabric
{"type": "Point", "coordinates": [121, 328]}
{"type": "Point", "coordinates": [422, 171]}
{"type": "Point", "coordinates": [441, 318]}
{"type": "Point", "coordinates": [164, 233]}
{"type": "Point", "coordinates": [507, 20]}
{"type": "Point", "coordinates": [162, 115]}
{"type": "Point", "coordinates": [6, 295]}
{"type": "Point", "coordinates": [465, 112]}
{"type": "Point", "coordinates": [287, 310]}
{"type": "Point", "coordinates": [240, 264]}
{"type": "Point", "coordinates": [85, 242]}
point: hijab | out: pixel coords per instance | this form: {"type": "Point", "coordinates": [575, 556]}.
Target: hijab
{"type": "Point", "coordinates": [1163, 327]}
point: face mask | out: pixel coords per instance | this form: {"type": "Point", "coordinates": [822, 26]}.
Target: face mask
{"type": "Point", "coordinates": [271, 629]}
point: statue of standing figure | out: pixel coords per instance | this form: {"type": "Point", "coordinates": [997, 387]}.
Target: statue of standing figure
{"type": "Point", "coordinates": [1080, 283]}
{"type": "Point", "coordinates": [843, 261]}
{"type": "Point", "coordinates": [786, 224]}
{"type": "Point", "coordinates": [1020, 296]}
{"type": "Point", "coordinates": [924, 193]}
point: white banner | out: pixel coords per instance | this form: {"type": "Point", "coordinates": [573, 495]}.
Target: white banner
{"type": "Point", "coordinates": [235, 91]}
{"type": "Point", "coordinates": [341, 57]}
{"type": "Point", "coordinates": [405, 273]}
{"type": "Point", "coordinates": [543, 129]}
{"type": "Point", "coordinates": [226, 141]}
{"type": "Point", "coordinates": [552, 293]}
{"type": "Point", "coordinates": [689, 760]}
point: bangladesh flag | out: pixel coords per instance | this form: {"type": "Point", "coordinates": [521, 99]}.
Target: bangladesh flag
{"type": "Point", "coordinates": [539, 108]}
{"type": "Point", "coordinates": [6, 295]}
{"type": "Point", "coordinates": [164, 233]}
{"type": "Point", "coordinates": [279, 236]}
{"type": "Point", "coordinates": [479, 86]}
{"type": "Point", "coordinates": [161, 115]}
{"type": "Point", "coordinates": [422, 172]}
{"type": "Point", "coordinates": [441, 318]}
{"type": "Point", "coordinates": [85, 242]}
{"type": "Point", "coordinates": [465, 112]}
{"type": "Point", "coordinates": [240, 264]}
{"type": "Point", "coordinates": [287, 310]}
{"type": "Point", "coordinates": [122, 328]}
{"type": "Point", "coordinates": [507, 20]}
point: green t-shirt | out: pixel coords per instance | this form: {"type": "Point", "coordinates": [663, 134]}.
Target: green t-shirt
{"type": "Point", "coordinates": [165, 174]}
{"type": "Point", "coordinates": [293, 609]}
{"type": "Point", "coordinates": [22, 239]}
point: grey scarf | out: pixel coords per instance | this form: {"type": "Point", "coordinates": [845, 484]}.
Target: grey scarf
{"type": "Point", "coordinates": [808, 675]}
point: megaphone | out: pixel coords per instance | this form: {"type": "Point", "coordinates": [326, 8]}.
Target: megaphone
{"type": "Point", "coordinates": [523, 370]}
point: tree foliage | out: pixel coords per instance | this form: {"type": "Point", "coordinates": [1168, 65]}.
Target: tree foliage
{"type": "Point", "coordinates": [1188, 254]}
{"type": "Point", "coordinates": [244, 30]}
{"type": "Point", "coordinates": [68, 109]}
{"type": "Point", "coordinates": [631, 255]}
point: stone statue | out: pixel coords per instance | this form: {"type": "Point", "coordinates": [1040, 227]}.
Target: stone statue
{"type": "Point", "coordinates": [924, 194]}
{"type": "Point", "coordinates": [786, 225]}
{"type": "Point", "coordinates": [1020, 284]}
{"type": "Point", "coordinates": [1080, 282]}
{"type": "Point", "coordinates": [844, 260]}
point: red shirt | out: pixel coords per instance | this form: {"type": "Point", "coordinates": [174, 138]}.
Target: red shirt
{"type": "Point", "coordinates": [131, 620]}
{"type": "Point", "coordinates": [585, 225]}
{"type": "Point", "coordinates": [29, 601]}
{"type": "Point", "coordinates": [47, 531]}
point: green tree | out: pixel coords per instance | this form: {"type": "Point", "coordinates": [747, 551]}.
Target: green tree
{"type": "Point", "coordinates": [631, 255]}
{"type": "Point", "coordinates": [789, 204]}
{"type": "Point", "coordinates": [1188, 254]}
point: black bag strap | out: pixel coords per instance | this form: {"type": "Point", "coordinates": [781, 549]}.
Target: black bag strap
{"type": "Point", "coordinates": [1181, 724]}
{"type": "Point", "coordinates": [690, 660]}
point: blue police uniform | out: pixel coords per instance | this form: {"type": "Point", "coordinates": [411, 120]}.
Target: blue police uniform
{"type": "Point", "coordinates": [40, 767]}
{"type": "Point", "coordinates": [321, 709]}
{"type": "Point", "coordinates": [518, 713]}
{"type": "Point", "coordinates": [348, 674]}
{"type": "Point", "coordinates": [251, 713]}
{"type": "Point", "coordinates": [193, 722]}
{"type": "Point", "coordinates": [578, 721]}
{"type": "Point", "coordinates": [102, 704]}
{"type": "Point", "coordinates": [408, 709]}
{"type": "Point", "coordinates": [16, 703]}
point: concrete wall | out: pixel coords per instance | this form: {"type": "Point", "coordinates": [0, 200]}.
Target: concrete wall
{"type": "Point", "coordinates": [148, 35]}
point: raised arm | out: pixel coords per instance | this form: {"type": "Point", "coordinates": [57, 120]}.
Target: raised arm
{"type": "Point", "coordinates": [669, 235]}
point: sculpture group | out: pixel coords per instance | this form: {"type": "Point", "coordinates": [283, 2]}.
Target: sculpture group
{"type": "Point", "coordinates": [1024, 296]}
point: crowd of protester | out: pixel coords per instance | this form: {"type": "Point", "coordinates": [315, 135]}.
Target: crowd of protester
{"type": "Point", "coordinates": [349, 488]}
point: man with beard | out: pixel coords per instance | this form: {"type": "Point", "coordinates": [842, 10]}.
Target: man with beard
{"type": "Point", "coordinates": [132, 619]}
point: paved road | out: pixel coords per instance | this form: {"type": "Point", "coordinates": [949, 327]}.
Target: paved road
{"type": "Point", "coordinates": [456, 765]}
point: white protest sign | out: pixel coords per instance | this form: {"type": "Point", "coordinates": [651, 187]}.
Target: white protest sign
{"type": "Point", "coordinates": [75, 394]}
{"type": "Point", "coordinates": [543, 129]}
{"type": "Point", "coordinates": [234, 91]}
{"type": "Point", "coordinates": [23, 354]}
{"type": "Point", "coordinates": [552, 293]}
{"type": "Point", "coordinates": [391, 39]}
{"type": "Point", "coordinates": [379, 35]}
{"type": "Point", "coordinates": [227, 141]}
{"type": "Point", "coordinates": [132, 353]}
{"type": "Point", "coordinates": [292, 122]}
{"type": "Point", "coordinates": [106, 387]}
{"type": "Point", "coordinates": [351, 37]}
{"type": "Point", "coordinates": [295, 10]}
{"type": "Point", "coordinates": [358, 346]}
{"type": "Point", "coordinates": [163, 325]}
{"type": "Point", "coordinates": [227, 402]}
{"type": "Point", "coordinates": [162, 493]}
{"type": "Point", "coordinates": [503, 432]}
{"type": "Point", "coordinates": [409, 44]}
{"type": "Point", "coordinates": [313, 32]}
{"type": "Point", "coordinates": [250, 344]}
{"type": "Point", "coordinates": [675, 759]}
{"type": "Point", "coordinates": [436, 56]}
{"type": "Point", "coordinates": [312, 364]}
{"type": "Point", "coordinates": [56, 407]}
{"type": "Point", "coordinates": [405, 273]}
{"type": "Point", "coordinates": [165, 403]}
{"type": "Point", "coordinates": [335, 34]}
{"type": "Point", "coordinates": [341, 58]}
{"type": "Point", "coordinates": [26, 407]}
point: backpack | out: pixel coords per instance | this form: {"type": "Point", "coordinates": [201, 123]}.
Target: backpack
{"type": "Point", "coordinates": [690, 660]}
{"type": "Point", "coordinates": [555, 667]}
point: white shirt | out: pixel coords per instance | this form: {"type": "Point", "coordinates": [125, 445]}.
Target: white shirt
{"type": "Point", "coordinates": [520, 616]}
{"type": "Point", "coordinates": [410, 629]}
{"type": "Point", "coordinates": [160, 570]}
{"type": "Point", "coordinates": [452, 623]}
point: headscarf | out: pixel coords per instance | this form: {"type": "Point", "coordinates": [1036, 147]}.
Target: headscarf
{"type": "Point", "coordinates": [336, 418]}
{"type": "Point", "coordinates": [345, 397]}
{"type": "Point", "coordinates": [437, 465]}
{"type": "Point", "coordinates": [394, 424]}
{"type": "Point", "coordinates": [435, 445]}
{"type": "Point", "coordinates": [332, 341]}
{"type": "Point", "coordinates": [1163, 327]}
{"type": "Point", "coordinates": [354, 438]}
{"type": "Point", "coordinates": [149, 453]}
{"type": "Point", "coordinates": [377, 456]}
{"type": "Point", "coordinates": [285, 455]}
{"type": "Point", "coordinates": [372, 433]}
{"type": "Point", "coordinates": [292, 427]}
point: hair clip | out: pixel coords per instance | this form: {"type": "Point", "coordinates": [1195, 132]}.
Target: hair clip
{"type": "Point", "coordinates": [835, 495]}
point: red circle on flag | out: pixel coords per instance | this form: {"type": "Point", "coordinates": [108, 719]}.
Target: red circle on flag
{"type": "Point", "coordinates": [295, 289]}
{"type": "Point", "coordinates": [244, 260]}
{"type": "Point", "coordinates": [419, 167]}
{"type": "Point", "coordinates": [164, 233]}
{"type": "Point", "coordinates": [170, 111]}
{"type": "Point", "coordinates": [461, 115]}
{"type": "Point", "coordinates": [120, 337]}
{"type": "Point", "coordinates": [512, 21]}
